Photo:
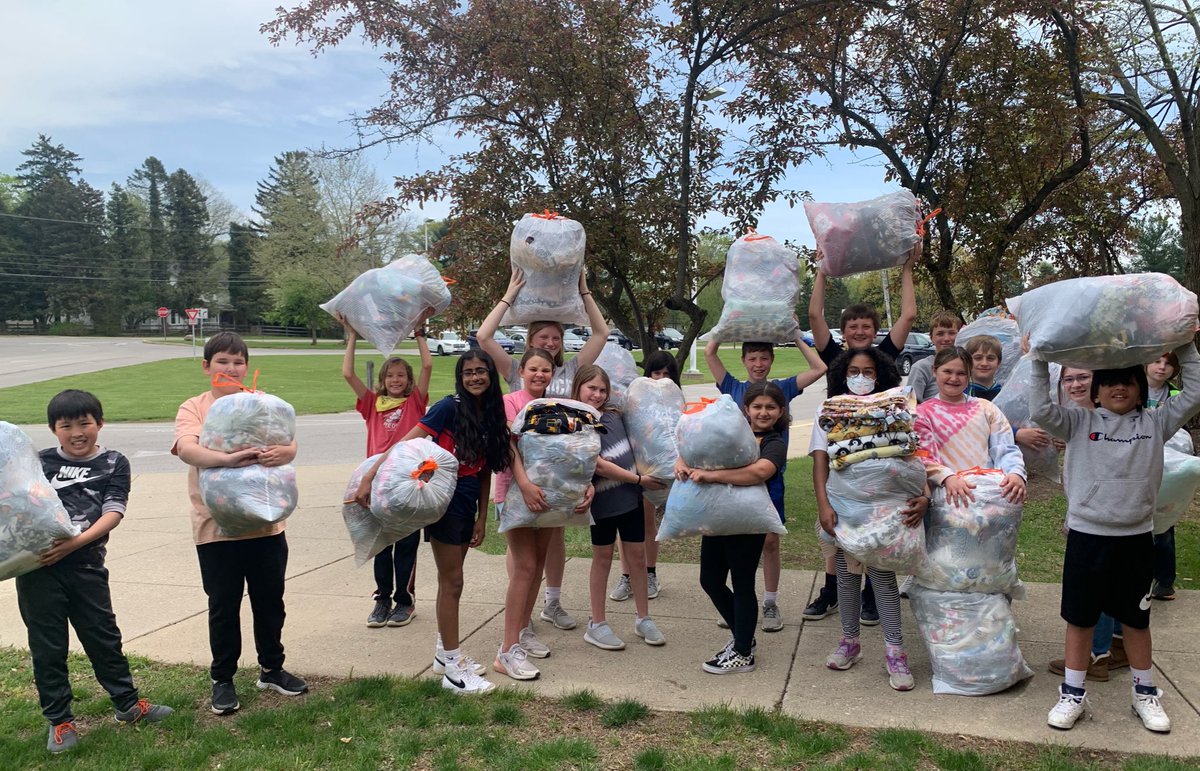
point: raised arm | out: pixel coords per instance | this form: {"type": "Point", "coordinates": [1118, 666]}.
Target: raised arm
{"type": "Point", "coordinates": [816, 313]}
{"type": "Point", "coordinates": [1059, 421]}
{"type": "Point", "coordinates": [426, 358]}
{"type": "Point", "coordinates": [816, 367]}
{"type": "Point", "coordinates": [595, 344]}
{"type": "Point", "coordinates": [712, 358]}
{"type": "Point", "coordinates": [1179, 409]}
{"type": "Point", "coordinates": [908, 301]}
{"type": "Point", "coordinates": [486, 336]}
{"type": "Point", "coordinates": [348, 371]}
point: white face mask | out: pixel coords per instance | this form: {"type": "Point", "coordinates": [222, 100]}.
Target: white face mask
{"type": "Point", "coordinates": [860, 385]}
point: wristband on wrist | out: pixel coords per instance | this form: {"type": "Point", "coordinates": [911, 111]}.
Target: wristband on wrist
{"type": "Point", "coordinates": [506, 302]}
{"type": "Point", "coordinates": [639, 479]}
{"type": "Point", "coordinates": [585, 294]}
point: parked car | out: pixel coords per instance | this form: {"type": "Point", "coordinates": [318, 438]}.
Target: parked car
{"type": "Point", "coordinates": [917, 347]}
{"type": "Point", "coordinates": [518, 339]}
{"type": "Point", "coordinates": [881, 334]}
{"type": "Point", "coordinates": [572, 343]}
{"type": "Point", "coordinates": [807, 336]}
{"type": "Point", "coordinates": [669, 337]}
{"type": "Point", "coordinates": [621, 339]}
{"type": "Point", "coordinates": [503, 340]}
{"type": "Point", "coordinates": [583, 332]}
{"type": "Point", "coordinates": [448, 343]}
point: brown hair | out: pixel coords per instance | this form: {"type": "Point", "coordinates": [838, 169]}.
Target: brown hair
{"type": "Point", "coordinates": [985, 343]}
{"type": "Point", "coordinates": [538, 326]}
{"type": "Point", "coordinates": [947, 319]}
{"type": "Point", "coordinates": [859, 311]}
{"type": "Point", "coordinates": [537, 353]}
{"type": "Point", "coordinates": [590, 372]}
{"type": "Point", "coordinates": [1173, 363]}
{"type": "Point", "coordinates": [383, 370]}
{"type": "Point", "coordinates": [953, 352]}
{"type": "Point", "coordinates": [749, 348]}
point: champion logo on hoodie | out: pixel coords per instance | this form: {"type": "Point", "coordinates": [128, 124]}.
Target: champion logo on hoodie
{"type": "Point", "coordinates": [1100, 436]}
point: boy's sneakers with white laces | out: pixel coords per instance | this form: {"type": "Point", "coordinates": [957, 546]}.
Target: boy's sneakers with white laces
{"type": "Point", "coordinates": [772, 619]}
{"type": "Point", "coordinates": [460, 678]}
{"type": "Point", "coordinates": [439, 662]}
{"type": "Point", "coordinates": [281, 681]}
{"type": "Point", "coordinates": [622, 591]}
{"type": "Point", "coordinates": [847, 655]}
{"type": "Point", "coordinates": [1072, 705]}
{"type": "Point", "coordinates": [554, 613]}
{"type": "Point", "coordinates": [602, 636]}
{"type": "Point", "coordinates": [652, 585]}
{"type": "Point", "coordinates": [515, 663]}
{"type": "Point", "coordinates": [728, 661]}
{"type": "Point", "coordinates": [379, 614]}
{"type": "Point", "coordinates": [1147, 706]}
{"type": "Point", "coordinates": [899, 676]}
{"type": "Point", "coordinates": [646, 629]}
{"type": "Point", "coordinates": [143, 712]}
{"type": "Point", "coordinates": [534, 647]}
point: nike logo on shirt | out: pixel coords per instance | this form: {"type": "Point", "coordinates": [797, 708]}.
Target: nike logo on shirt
{"type": "Point", "coordinates": [69, 475]}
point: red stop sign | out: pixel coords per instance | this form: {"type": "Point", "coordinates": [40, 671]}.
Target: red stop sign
{"type": "Point", "coordinates": [163, 312]}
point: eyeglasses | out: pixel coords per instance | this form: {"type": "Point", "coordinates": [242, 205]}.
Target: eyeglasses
{"type": "Point", "coordinates": [1081, 379]}
{"type": "Point", "coordinates": [475, 372]}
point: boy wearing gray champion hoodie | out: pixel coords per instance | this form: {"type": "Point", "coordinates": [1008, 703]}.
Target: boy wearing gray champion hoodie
{"type": "Point", "coordinates": [1113, 468]}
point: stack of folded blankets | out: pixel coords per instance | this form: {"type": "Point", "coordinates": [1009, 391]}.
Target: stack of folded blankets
{"type": "Point", "coordinates": [861, 428]}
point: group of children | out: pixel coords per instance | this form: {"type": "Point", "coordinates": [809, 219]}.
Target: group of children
{"type": "Point", "coordinates": [1113, 466]}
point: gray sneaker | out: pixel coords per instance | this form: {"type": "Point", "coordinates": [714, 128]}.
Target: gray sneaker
{"type": "Point", "coordinates": [554, 613]}
{"type": "Point", "coordinates": [143, 712]}
{"type": "Point", "coordinates": [379, 614]}
{"type": "Point", "coordinates": [622, 591]}
{"type": "Point", "coordinates": [651, 585]}
{"type": "Point", "coordinates": [402, 615]}
{"type": "Point", "coordinates": [602, 636]}
{"type": "Point", "coordinates": [62, 737]}
{"type": "Point", "coordinates": [648, 631]}
{"type": "Point", "coordinates": [772, 620]}
{"type": "Point", "coordinates": [532, 645]}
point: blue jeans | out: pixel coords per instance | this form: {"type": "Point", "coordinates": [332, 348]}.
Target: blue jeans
{"type": "Point", "coordinates": [1102, 634]}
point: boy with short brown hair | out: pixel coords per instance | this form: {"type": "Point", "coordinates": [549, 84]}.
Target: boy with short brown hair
{"type": "Point", "coordinates": [943, 328]}
{"type": "Point", "coordinates": [986, 354]}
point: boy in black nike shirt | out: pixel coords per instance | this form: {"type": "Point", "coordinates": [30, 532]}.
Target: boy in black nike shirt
{"type": "Point", "coordinates": [72, 584]}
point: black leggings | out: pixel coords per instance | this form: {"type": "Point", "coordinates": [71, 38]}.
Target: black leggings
{"type": "Point", "coordinates": [733, 556]}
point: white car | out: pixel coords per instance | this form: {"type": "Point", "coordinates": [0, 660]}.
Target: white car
{"type": "Point", "coordinates": [448, 343]}
{"type": "Point", "coordinates": [572, 343]}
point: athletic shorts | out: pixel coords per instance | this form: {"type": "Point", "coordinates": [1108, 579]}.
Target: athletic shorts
{"type": "Point", "coordinates": [631, 525]}
{"type": "Point", "coordinates": [458, 523]}
{"type": "Point", "coordinates": [1107, 574]}
{"type": "Point", "coordinates": [830, 548]}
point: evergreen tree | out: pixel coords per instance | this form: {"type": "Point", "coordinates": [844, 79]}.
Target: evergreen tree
{"type": "Point", "coordinates": [192, 257]}
{"type": "Point", "coordinates": [1159, 247]}
{"type": "Point", "coordinates": [46, 161]}
{"type": "Point", "coordinates": [246, 293]}
{"type": "Point", "coordinates": [129, 297]}
{"type": "Point", "coordinates": [149, 182]}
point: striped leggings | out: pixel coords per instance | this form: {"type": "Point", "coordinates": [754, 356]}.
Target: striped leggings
{"type": "Point", "coordinates": [887, 600]}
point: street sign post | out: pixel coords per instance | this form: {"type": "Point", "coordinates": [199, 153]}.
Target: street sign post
{"type": "Point", "coordinates": [163, 312]}
{"type": "Point", "coordinates": [192, 314]}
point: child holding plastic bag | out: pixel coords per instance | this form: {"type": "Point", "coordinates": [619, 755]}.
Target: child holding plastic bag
{"type": "Point", "coordinates": [469, 424]}
{"type": "Point", "coordinates": [616, 508]}
{"type": "Point", "coordinates": [390, 411]}
{"type": "Point", "coordinates": [862, 372]}
{"type": "Point", "coordinates": [734, 559]}
{"type": "Point", "coordinates": [548, 336]}
{"type": "Point", "coordinates": [1114, 465]}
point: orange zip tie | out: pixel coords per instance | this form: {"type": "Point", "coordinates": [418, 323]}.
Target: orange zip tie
{"type": "Point", "coordinates": [427, 467]}
{"type": "Point", "coordinates": [925, 219]}
{"type": "Point", "coordinates": [221, 380]}
{"type": "Point", "coordinates": [752, 235]}
{"type": "Point", "coordinates": [974, 470]}
{"type": "Point", "coordinates": [693, 407]}
{"type": "Point", "coordinates": [547, 214]}
{"type": "Point", "coordinates": [449, 281]}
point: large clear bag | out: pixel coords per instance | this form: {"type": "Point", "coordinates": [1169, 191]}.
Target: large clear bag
{"type": "Point", "coordinates": [414, 485]}
{"type": "Point", "coordinates": [549, 250]}
{"type": "Point", "coordinates": [715, 435]}
{"type": "Point", "coordinates": [868, 498]}
{"type": "Point", "coordinates": [1181, 478]}
{"type": "Point", "coordinates": [1013, 401]}
{"type": "Point", "coordinates": [622, 370]}
{"type": "Point", "coordinates": [249, 498]}
{"type": "Point", "coordinates": [32, 517]}
{"type": "Point", "coordinates": [248, 419]}
{"type": "Point", "coordinates": [995, 323]}
{"type": "Point", "coordinates": [762, 282]}
{"type": "Point", "coordinates": [701, 508]}
{"type": "Point", "coordinates": [866, 235]}
{"type": "Point", "coordinates": [652, 411]}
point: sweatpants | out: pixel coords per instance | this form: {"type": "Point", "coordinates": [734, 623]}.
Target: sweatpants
{"type": "Point", "coordinates": [49, 598]}
{"type": "Point", "coordinates": [395, 570]}
{"type": "Point", "coordinates": [887, 600]}
{"type": "Point", "coordinates": [733, 558]}
{"type": "Point", "coordinates": [229, 568]}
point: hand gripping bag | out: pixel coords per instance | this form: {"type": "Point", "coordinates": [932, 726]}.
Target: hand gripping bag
{"type": "Point", "coordinates": [1181, 477]}
{"type": "Point", "coordinates": [561, 464]}
{"type": "Point", "coordinates": [972, 641]}
{"type": "Point", "coordinates": [868, 498]}
{"type": "Point", "coordinates": [1013, 401]}
{"type": "Point", "coordinates": [621, 369]}
{"type": "Point", "coordinates": [702, 508]}
{"type": "Point", "coordinates": [367, 533]}
{"type": "Point", "coordinates": [32, 517]}
{"type": "Point", "coordinates": [1000, 325]}
{"type": "Point", "coordinates": [248, 419]}
{"type": "Point", "coordinates": [973, 548]}
{"type": "Point", "coordinates": [762, 282]}
{"type": "Point", "coordinates": [715, 435]}
{"type": "Point", "coordinates": [864, 236]}
{"type": "Point", "coordinates": [1106, 322]}
{"type": "Point", "coordinates": [549, 250]}
{"type": "Point", "coordinates": [652, 412]}
{"type": "Point", "coordinates": [384, 304]}
{"type": "Point", "coordinates": [247, 499]}
{"type": "Point", "coordinates": [413, 486]}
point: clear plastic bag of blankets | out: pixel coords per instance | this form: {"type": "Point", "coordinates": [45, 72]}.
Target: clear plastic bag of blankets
{"type": "Point", "coordinates": [652, 412]}
{"type": "Point", "coordinates": [995, 322]}
{"type": "Point", "coordinates": [561, 464]}
{"type": "Point", "coordinates": [621, 369]}
{"type": "Point", "coordinates": [413, 486]}
{"type": "Point", "coordinates": [1181, 478]}
{"type": "Point", "coordinates": [864, 236]}
{"type": "Point", "coordinates": [1013, 401]}
{"type": "Point", "coordinates": [32, 517]}
{"type": "Point", "coordinates": [384, 304]}
{"type": "Point", "coordinates": [762, 282]}
{"type": "Point", "coordinates": [868, 498]}
{"type": "Point", "coordinates": [247, 499]}
{"type": "Point", "coordinates": [972, 641]}
{"type": "Point", "coordinates": [1106, 322]}
{"type": "Point", "coordinates": [700, 508]}
{"type": "Point", "coordinates": [973, 548]}
{"type": "Point", "coordinates": [248, 419]}
{"type": "Point", "coordinates": [715, 435]}
{"type": "Point", "coordinates": [549, 250]}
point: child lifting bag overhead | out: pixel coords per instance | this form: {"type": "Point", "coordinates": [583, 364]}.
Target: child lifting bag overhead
{"type": "Point", "coordinates": [32, 517]}
{"type": "Point", "coordinates": [558, 441]}
{"type": "Point", "coordinates": [1106, 322]}
{"type": "Point", "coordinates": [549, 250]}
{"type": "Point", "coordinates": [383, 305]}
{"type": "Point", "coordinates": [651, 414]}
{"type": "Point", "coordinates": [762, 282]}
{"type": "Point", "coordinates": [1013, 401]}
{"type": "Point", "coordinates": [865, 236]}
{"type": "Point", "coordinates": [869, 497]}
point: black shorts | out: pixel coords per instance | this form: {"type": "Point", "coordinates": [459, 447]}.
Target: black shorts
{"type": "Point", "coordinates": [1107, 574]}
{"type": "Point", "coordinates": [631, 525]}
{"type": "Point", "coordinates": [457, 524]}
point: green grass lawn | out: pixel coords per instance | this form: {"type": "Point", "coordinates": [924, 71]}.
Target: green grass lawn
{"type": "Point", "coordinates": [389, 722]}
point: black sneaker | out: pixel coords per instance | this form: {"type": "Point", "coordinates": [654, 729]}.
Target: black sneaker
{"type": "Point", "coordinates": [281, 681]}
{"type": "Point", "coordinates": [379, 614]}
{"type": "Point", "coordinates": [224, 698]}
{"type": "Point", "coordinates": [868, 616]}
{"type": "Point", "coordinates": [821, 607]}
{"type": "Point", "coordinates": [729, 661]}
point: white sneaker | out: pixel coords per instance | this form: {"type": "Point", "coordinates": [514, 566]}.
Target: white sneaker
{"type": "Point", "coordinates": [554, 613]}
{"type": "Point", "coordinates": [1069, 709]}
{"type": "Point", "coordinates": [651, 585]}
{"type": "Point", "coordinates": [461, 679]}
{"type": "Point", "coordinates": [622, 591]}
{"type": "Point", "coordinates": [532, 645]}
{"type": "Point", "coordinates": [515, 664]}
{"type": "Point", "coordinates": [439, 663]}
{"type": "Point", "coordinates": [647, 630]}
{"type": "Point", "coordinates": [602, 636]}
{"type": "Point", "coordinates": [1148, 707]}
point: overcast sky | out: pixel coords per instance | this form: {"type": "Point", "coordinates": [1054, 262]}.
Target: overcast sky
{"type": "Point", "coordinates": [197, 85]}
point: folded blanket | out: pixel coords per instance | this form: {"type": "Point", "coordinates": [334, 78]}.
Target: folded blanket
{"type": "Point", "coordinates": [873, 442]}
{"type": "Point", "coordinates": [895, 451]}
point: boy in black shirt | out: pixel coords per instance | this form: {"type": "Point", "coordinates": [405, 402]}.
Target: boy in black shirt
{"type": "Point", "coordinates": [72, 584]}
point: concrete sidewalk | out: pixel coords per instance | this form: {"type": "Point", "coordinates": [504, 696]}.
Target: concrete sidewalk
{"type": "Point", "coordinates": [161, 609]}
